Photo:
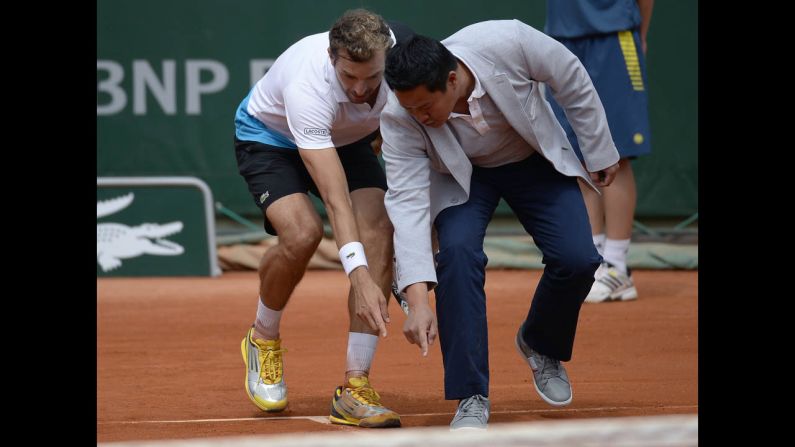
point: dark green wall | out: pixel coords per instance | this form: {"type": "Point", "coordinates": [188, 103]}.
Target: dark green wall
{"type": "Point", "coordinates": [184, 140]}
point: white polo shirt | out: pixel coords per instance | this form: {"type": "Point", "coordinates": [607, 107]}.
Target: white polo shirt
{"type": "Point", "coordinates": [300, 103]}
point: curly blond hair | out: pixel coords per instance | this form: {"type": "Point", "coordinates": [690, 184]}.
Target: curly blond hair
{"type": "Point", "coordinates": [360, 33]}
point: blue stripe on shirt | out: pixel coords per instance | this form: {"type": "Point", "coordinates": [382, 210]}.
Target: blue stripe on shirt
{"type": "Point", "coordinates": [249, 128]}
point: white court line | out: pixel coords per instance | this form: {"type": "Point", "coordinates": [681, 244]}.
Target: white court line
{"type": "Point", "coordinates": [324, 419]}
{"type": "Point", "coordinates": [646, 431]}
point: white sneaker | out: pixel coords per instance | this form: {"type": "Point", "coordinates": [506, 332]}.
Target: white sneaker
{"type": "Point", "coordinates": [611, 285]}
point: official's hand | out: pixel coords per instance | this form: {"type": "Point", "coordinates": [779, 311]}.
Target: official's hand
{"type": "Point", "coordinates": [420, 327]}
{"type": "Point", "coordinates": [368, 301]}
{"type": "Point", "coordinates": [606, 176]}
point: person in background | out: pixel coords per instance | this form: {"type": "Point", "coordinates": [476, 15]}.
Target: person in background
{"type": "Point", "coordinates": [609, 38]}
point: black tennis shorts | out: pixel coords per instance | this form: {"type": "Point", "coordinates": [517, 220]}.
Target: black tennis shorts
{"type": "Point", "coordinates": [273, 172]}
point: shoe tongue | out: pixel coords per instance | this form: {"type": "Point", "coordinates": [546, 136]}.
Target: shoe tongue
{"type": "Point", "coordinates": [273, 344]}
{"type": "Point", "coordinates": [356, 382]}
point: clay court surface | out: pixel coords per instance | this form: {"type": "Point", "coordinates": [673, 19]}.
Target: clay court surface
{"type": "Point", "coordinates": [169, 363]}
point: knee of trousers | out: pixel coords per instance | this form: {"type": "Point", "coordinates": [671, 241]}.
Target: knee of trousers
{"type": "Point", "coordinates": [461, 254]}
{"type": "Point", "coordinates": [573, 267]}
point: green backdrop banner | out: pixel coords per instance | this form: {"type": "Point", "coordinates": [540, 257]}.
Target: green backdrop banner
{"type": "Point", "coordinates": [171, 74]}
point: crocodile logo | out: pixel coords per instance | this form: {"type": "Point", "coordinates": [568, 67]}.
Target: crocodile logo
{"type": "Point", "coordinates": [117, 241]}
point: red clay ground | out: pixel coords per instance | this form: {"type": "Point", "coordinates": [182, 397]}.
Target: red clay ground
{"type": "Point", "coordinates": [168, 349]}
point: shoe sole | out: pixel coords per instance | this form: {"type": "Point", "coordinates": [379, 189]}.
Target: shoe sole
{"type": "Point", "coordinates": [627, 295]}
{"type": "Point", "coordinates": [468, 429]}
{"type": "Point", "coordinates": [546, 399]}
{"type": "Point", "coordinates": [276, 406]}
{"type": "Point", "coordinates": [341, 420]}
{"type": "Point", "coordinates": [624, 295]}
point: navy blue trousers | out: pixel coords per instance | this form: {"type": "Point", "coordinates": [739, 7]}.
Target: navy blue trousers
{"type": "Point", "coordinates": [551, 209]}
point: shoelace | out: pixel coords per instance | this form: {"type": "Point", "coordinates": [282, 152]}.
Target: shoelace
{"type": "Point", "coordinates": [550, 369]}
{"type": "Point", "coordinates": [366, 395]}
{"type": "Point", "coordinates": [473, 407]}
{"type": "Point", "coordinates": [271, 367]}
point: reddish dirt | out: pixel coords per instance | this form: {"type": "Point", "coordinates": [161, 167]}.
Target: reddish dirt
{"type": "Point", "coordinates": [168, 349]}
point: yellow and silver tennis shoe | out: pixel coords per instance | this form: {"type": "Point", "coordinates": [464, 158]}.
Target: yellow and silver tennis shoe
{"type": "Point", "coordinates": [264, 372]}
{"type": "Point", "coordinates": [357, 403]}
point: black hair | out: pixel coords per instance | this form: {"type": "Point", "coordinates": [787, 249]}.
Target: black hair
{"type": "Point", "coordinates": [419, 60]}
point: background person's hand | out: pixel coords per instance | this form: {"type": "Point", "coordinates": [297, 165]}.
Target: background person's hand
{"type": "Point", "coordinates": [606, 176]}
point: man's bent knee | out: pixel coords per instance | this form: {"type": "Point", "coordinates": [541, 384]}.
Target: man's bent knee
{"type": "Point", "coordinates": [300, 242]}
{"type": "Point", "coordinates": [377, 231]}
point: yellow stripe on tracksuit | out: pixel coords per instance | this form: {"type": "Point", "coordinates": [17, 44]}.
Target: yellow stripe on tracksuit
{"type": "Point", "coordinates": [631, 58]}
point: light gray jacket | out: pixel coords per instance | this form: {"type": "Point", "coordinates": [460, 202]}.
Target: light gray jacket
{"type": "Point", "coordinates": [426, 168]}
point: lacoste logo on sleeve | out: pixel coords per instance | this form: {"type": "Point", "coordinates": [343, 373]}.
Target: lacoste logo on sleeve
{"type": "Point", "coordinates": [315, 131]}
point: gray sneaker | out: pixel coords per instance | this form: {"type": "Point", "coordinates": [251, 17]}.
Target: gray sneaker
{"type": "Point", "coordinates": [549, 376]}
{"type": "Point", "coordinates": [472, 414]}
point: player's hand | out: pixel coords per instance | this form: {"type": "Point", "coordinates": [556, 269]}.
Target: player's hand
{"type": "Point", "coordinates": [368, 301]}
{"type": "Point", "coordinates": [606, 176]}
{"type": "Point", "coordinates": [420, 327]}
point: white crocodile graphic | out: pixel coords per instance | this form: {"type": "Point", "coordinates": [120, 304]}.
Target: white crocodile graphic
{"type": "Point", "coordinates": [117, 241]}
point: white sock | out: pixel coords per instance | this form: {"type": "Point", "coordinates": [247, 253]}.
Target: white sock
{"type": "Point", "coordinates": [361, 348]}
{"type": "Point", "coordinates": [267, 324]}
{"type": "Point", "coordinates": [616, 253]}
{"type": "Point", "coordinates": [599, 242]}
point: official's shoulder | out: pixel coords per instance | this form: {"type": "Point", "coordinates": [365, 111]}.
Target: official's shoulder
{"type": "Point", "coordinates": [393, 107]}
{"type": "Point", "coordinates": [519, 25]}
{"type": "Point", "coordinates": [489, 25]}
{"type": "Point", "coordinates": [486, 31]}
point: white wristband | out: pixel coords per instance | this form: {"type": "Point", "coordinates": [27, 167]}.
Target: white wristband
{"type": "Point", "coordinates": [352, 256]}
